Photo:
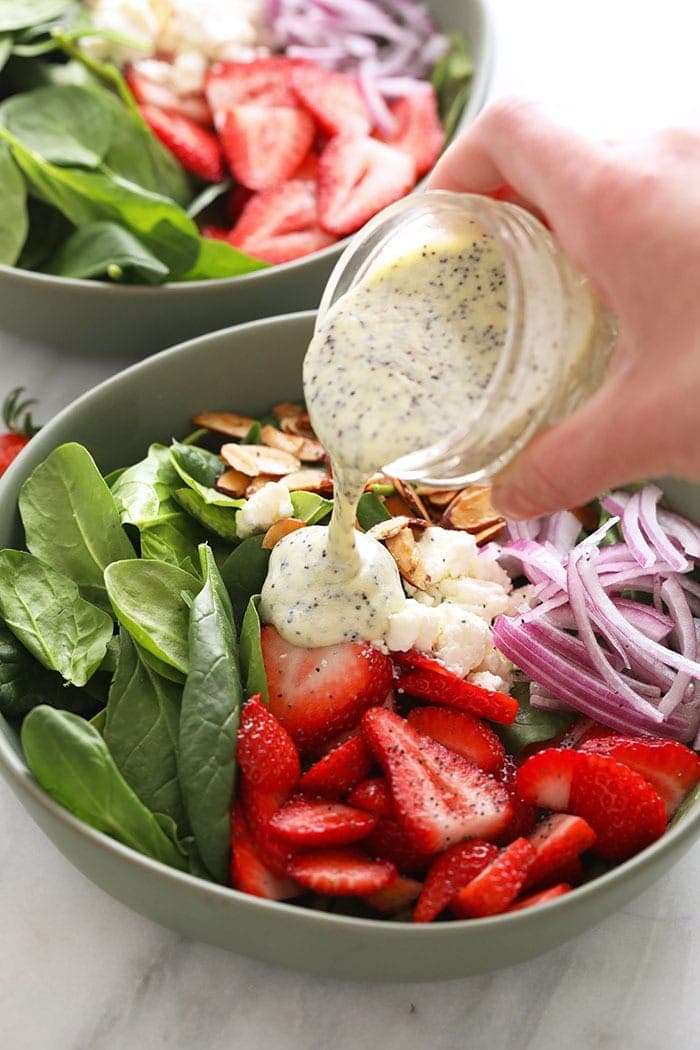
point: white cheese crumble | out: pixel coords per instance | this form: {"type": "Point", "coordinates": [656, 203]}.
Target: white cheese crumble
{"type": "Point", "coordinates": [269, 504]}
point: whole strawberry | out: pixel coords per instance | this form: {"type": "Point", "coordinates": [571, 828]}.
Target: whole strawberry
{"type": "Point", "coordinates": [19, 427]}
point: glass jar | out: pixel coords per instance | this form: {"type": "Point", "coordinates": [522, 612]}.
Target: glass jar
{"type": "Point", "coordinates": [557, 340]}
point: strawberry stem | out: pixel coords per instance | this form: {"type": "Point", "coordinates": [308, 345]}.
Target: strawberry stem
{"type": "Point", "coordinates": [15, 415]}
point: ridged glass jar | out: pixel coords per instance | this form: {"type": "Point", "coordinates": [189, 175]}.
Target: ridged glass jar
{"type": "Point", "coordinates": [558, 336]}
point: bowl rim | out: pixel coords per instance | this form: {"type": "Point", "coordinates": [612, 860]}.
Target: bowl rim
{"type": "Point", "coordinates": [17, 773]}
{"type": "Point", "coordinates": [480, 84]}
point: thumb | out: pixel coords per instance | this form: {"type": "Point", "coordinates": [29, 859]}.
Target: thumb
{"type": "Point", "coordinates": [607, 442]}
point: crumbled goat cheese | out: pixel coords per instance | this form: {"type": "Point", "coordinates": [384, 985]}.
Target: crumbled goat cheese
{"type": "Point", "coordinates": [269, 504]}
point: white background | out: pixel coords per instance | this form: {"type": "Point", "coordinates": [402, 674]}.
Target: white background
{"type": "Point", "coordinates": [80, 972]}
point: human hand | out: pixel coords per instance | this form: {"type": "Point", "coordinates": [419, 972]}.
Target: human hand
{"type": "Point", "coordinates": [628, 216]}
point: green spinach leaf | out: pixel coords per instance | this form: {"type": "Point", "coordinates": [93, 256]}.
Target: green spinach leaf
{"type": "Point", "coordinates": [95, 249]}
{"type": "Point", "coordinates": [218, 259]}
{"type": "Point", "coordinates": [370, 511]}
{"type": "Point", "coordinates": [252, 663]}
{"type": "Point", "coordinates": [310, 508]}
{"type": "Point", "coordinates": [243, 573]}
{"type": "Point", "coordinates": [451, 76]}
{"type": "Point", "coordinates": [14, 220]}
{"type": "Point", "coordinates": [44, 610]}
{"type": "Point", "coordinates": [25, 684]}
{"type": "Point", "coordinates": [207, 196]}
{"type": "Point", "coordinates": [141, 732]}
{"type": "Point", "coordinates": [531, 724]}
{"type": "Point", "coordinates": [209, 720]}
{"type": "Point", "coordinates": [6, 43]}
{"type": "Point", "coordinates": [47, 229]}
{"type": "Point", "coordinates": [147, 597]}
{"type": "Point", "coordinates": [16, 14]}
{"type": "Point", "coordinates": [65, 123]}
{"type": "Point", "coordinates": [72, 763]}
{"type": "Point", "coordinates": [71, 521]}
{"type": "Point", "coordinates": [219, 520]}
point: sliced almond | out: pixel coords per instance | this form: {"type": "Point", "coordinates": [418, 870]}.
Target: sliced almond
{"type": "Point", "coordinates": [228, 423]}
{"type": "Point", "coordinates": [275, 438]}
{"type": "Point", "coordinates": [309, 481]}
{"type": "Point", "coordinates": [279, 530]}
{"type": "Point", "coordinates": [287, 409]}
{"type": "Point", "coordinates": [259, 459]}
{"type": "Point", "coordinates": [386, 530]}
{"type": "Point", "coordinates": [300, 425]}
{"type": "Point", "coordinates": [442, 497]}
{"type": "Point", "coordinates": [489, 533]}
{"type": "Point", "coordinates": [588, 514]}
{"type": "Point", "coordinates": [411, 497]}
{"type": "Point", "coordinates": [404, 550]}
{"type": "Point", "coordinates": [471, 510]}
{"type": "Point", "coordinates": [397, 506]}
{"type": "Point", "coordinates": [233, 483]}
{"type": "Point", "coordinates": [255, 484]}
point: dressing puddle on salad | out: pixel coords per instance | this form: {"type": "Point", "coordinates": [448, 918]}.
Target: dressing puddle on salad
{"type": "Point", "coordinates": [395, 365]}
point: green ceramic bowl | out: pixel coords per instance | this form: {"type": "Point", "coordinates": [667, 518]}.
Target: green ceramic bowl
{"type": "Point", "coordinates": [247, 369]}
{"type": "Point", "coordinates": [89, 317]}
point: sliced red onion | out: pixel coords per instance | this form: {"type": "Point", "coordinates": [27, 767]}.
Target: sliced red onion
{"type": "Point", "coordinates": [601, 532]}
{"type": "Point", "coordinates": [686, 637]}
{"type": "Point", "coordinates": [382, 117]}
{"type": "Point", "coordinates": [399, 87]}
{"type": "Point", "coordinates": [632, 532]}
{"type": "Point", "coordinates": [561, 530]}
{"type": "Point", "coordinates": [665, 549]}
{"type": "Point", "coordinates": [541, 564]}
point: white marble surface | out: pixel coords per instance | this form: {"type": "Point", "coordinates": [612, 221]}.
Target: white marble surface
{"type": "Point", "coordinates": [80, 972]}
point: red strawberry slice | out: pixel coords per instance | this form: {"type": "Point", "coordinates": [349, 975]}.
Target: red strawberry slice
{"type": "Point", "coordinates": [396, 898]}
{"type": "Point", "coordinates": [390, 841]}
{"type": "Point", "coordinates": [428, 679]}
{"type": "Point", "coordinates": [262, 82]}
{"type": "Point", "coordinates": [215, 233]}
{"type": "Point", "coordinates": [542, 897]}
{"type": "Point", "coordinates": [196, 148]}
{"type": "Point", "coordinates": [341, 872]}
{"type": "Point", "coordinates": [267, 756]}
{"type": "Point", "coordinates": [419, 131]}
{"type": "Point", "coordinates": [357, 177]}
{"type": "Point", "coordinates": [264, 145]}
{"type": "Point", "coordinates": [449, 874]}
{"type": "Point", "coordinates": [439, 797]}
{"type": "Point", "coordinates": [248, 873]}
{"type": "Point", "coordinates": [524, 815]}
{"type": "Point", "coordinates": [334, 100]}
{"type": "Point", "coordinates": [339, 770]}
{"type": "Point", "coordinates": [497, 886]}
{"type": "Point", "coordinates": [374, 796]}
{"type": "Point", "coordinates": [671, 768]}
{"type": "Point", "coordinates": [318, 693]}
{"type": "Point", "coordinates": [259, 807]}
{"type": "Point", "coordinates": [281, 223]}
{"type": "Point", "coordinates": [558, 840]}
{"type": "Point", "coordinates": [148, 92]}
{"type": "Point", "coordinates": [308, 169]}
{"type": "Point", "coordinates": [468, 736]}
{"type": "Point", "coordinates": [319, 822]}
{"type": "Point", "coordinates": [624, 810]}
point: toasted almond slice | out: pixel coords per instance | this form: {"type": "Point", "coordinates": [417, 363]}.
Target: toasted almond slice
{"type": "Point", "coordinates": [233, 483]}
{"type": "Point", "coordinates": [385, 530]}
{"type": "Point", "coordinates": [279, 530]}
{"type": "Point", "coordinates": [443, 497]}
{"type": "Point", "coordinates": [275, 438]}
{"type": "Point", "coordinates": [490, 533]}
{"type": "Point", "coordinates": [255, 484]}
{"type": "Point", "coordinates": [229, 423]}
{"type": "Point", "coordinates": [404, 550]}
{"type": "Point", "coordinates": [412, 498]}
{"type": "Point", "coordinates": [471, 510]}
{"type": "Point", "coordinates": [588, 514]}
{"type": "Point", "coordinates": [287, 409]}
{"type": "Point", "coordinates": [300, 425]}
{"type": "Point", "coordinates": [397, 506]}
{"type": "Point", "coordinates": [259, 459]}
{"type": "Point", "coordinates": [309, 481]}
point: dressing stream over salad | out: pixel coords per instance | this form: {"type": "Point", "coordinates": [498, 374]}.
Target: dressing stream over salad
{"type": "Point", "coordinates": [396, 364]}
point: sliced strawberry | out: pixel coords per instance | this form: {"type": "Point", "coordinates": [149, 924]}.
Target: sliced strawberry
{"type": "Point", "coordinates": [196, 148]}
{"type": "Point", "coordinates": [439, 797]}
{"type": "Point", "coordinates": [374, 796]}
{"type": "Point", "coordinates": [259, 807]}
{"type": "Point", "coordinates": [573, 736]}
{"type": "Point", "coordinates": [149, 92]}
{"type": "Point", "coordinates": [215, 233]}
{"type": "Point", "coordinates": [264, 145]}
{"type": "Point", "coordinates": [357, 177]}
{"type": "Point", "coordinates": [341, 872]}
{"type": "Point", "coordinates": [334, 100]}
{"type": "Point", "coordinates": [461, 732]}
{"type": "Point", "coordinates": [624, 810]}
{"type": "Point", "coordinates": [428, 679]}
{"type": "Point", "coordinates": [235, 201]}
{"type": "Point", "coordinates": [267, 756]}
{"type": "Point", "coordinates": [542, 897]}
{"type": "Point", "coordinates": [281, 223]}
{"type": "Point", "coordinates": [524, 815]}
{"type": "Point", "coordinates": [390, 841]}
{"type": "Point", "coordinates": [339, 770]}
{"type": "Point", "coordinates": [558, 840]}
{"type": "Point", "coordinates": [497, 886]}
{"type": "Point", "coordinates": [317, 693]}
{"type": "Point", "coordinates": [671, 768]}
{"type": "Point", "coordinates": [396, 898]}
{"type": "Point", "coordinates": [262, 82]}
{"type": "Point", "coordinates": [321, 822]}
{"type": "Point", "coordinates": [449, 874]}
{"type": "Point", "coordinates": [248, 873]}
{"type": "Point", "coordinates": [308, 169]}
{"type": "Point", "coordinates": [419, 131]}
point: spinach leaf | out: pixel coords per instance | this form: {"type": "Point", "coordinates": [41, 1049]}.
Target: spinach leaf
{"type": "Point", "coordinates": [531, 724]}
{"type": "Point", "coordinates": [200, 470]}
{"type": "Point", "coordinates": [450, 78]}
{"type": "Point", "coordinates": [25, 684]}
{"type": "Point", "coordinates": [244, 572]}
{"type": "Point", "coordinates": [147, 597]}
{"type": "Point", "coordinates": [47, 228]}
{"type": "Point", "coordinates": [14, 221]}
{"type": "Point", "coordinates": [159, 666]}
{"type": "Point", "coordinates": [15, 14]}
{"type": "Point", "coordinates": [370, 511]}
{"type": "Point", "coordinates": [220, 259]}
{"type": "Point", "coordinates": [6, 42]}
{"type": "Point", "coordinates": [65, 123]}
{"type": "Point", "coordinates": [219, 520]}
{"type": "Point", "coordinates": [207, 196]}
{"type": "Point", "coordinates": [252, 663]}
{"type": "Point", "coordinates": [98, 721]}
{"type": "Point", "coordinates": [72, 763]}
{"type": "Point", "coordinates": [44, 610]}
{"type": "Point", "coordinates": [70, 519]}
{"type": "Point", "coordinates": [141, 732]}
{"type": "Point", "coordinates": [103, 249]}
{"type": "Point", "coordinates": [211, 703]}
{"type": "Point", "coordinates": [309, 507]}
{"type": "Point", "coordinates": [254, 435]}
